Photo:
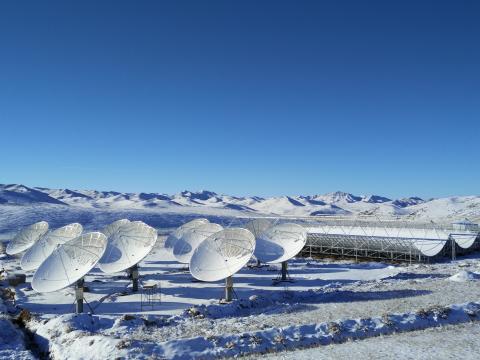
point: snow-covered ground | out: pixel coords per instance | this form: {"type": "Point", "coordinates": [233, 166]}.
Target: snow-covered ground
{"type": "Point", "coordinates": [180, 292]}
{"type": "Point", "coordinates": [330, 302]}
{"type": "Point", "coordinates": [12, 339]}
{"type": "Point", "coordinates": [326, 295]}
{"type": "Point", "coordinates": [448, 342]}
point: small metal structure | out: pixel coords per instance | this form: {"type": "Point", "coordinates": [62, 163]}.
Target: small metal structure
{"type": "Point", "coordinates": [150, 296]}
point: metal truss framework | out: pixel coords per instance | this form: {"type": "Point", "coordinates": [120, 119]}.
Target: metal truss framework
{"type": "Point", "coordinates": [392, 247]}
{"type": "Point", "coordinates": [395, 241]}
{"type": "Point", "coordinates": [366, 247]}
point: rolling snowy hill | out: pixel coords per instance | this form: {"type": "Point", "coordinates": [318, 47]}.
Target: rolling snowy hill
{"type": "Point", "coordinates": [208, 202]}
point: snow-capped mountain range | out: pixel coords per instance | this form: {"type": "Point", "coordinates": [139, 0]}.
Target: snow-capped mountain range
{"type": "Point", "coordinates": [337, 203]}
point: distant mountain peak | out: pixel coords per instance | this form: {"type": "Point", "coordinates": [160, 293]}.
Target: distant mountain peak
{"type": "Point", "coordinates": [21, 194]}
{"type": "Point", "coordinates": [409, 201]}
{"type": "Point", "coordinates": [375, 199]}
{"type": "Point", "coordinates": [202, 195]}
{"type": "Point", "coordinates": [153, 196]}
{"type": "Point", "coordinates": [339, 196]}
{"type": "Point", "coordinates": [293, 201]}
{"type": "Point", "coordinates": [71, 194]}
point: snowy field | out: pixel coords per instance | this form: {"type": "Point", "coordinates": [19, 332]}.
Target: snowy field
{"type": "Point", "coordinates": [449, 342]}
{"type": "Point", "coordinates": [330, 302]}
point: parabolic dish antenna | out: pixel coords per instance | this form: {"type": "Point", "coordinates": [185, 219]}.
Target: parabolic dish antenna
{"type": "Point", "coordinates": [173, 237]}
{"type": "Point", "coordinates": [27, 237]}
{"type": "Point", "coordinates": [69, 262]}
{"type": "Point", "coordinates": [113, 227]}
{"type": "Point", "coordinates": [222, 254]}
{"type": "Point", "coordinates": [34, 256]}
{"type": "Point", "coordinates": [190, 240]}
{"type": "Point", "coordinates": [127, 245]}
{"type": "Point", "coordinates": [258, 226]}
{"type": "Point", "coordinates": [280, 243]}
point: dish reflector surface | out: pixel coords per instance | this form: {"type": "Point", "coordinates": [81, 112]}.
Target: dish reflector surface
{"type": "Point", "coordinates": [258, 226]}
{"type": "Point", "coordinates": [44, 247]}
{"type": "Point", "coordinates": [280, 243]}
{"type": "Point", "coordinates": [113, 227]}
{"type": "Point", "coordinates": [177, 234]}
{"type": "Point", "coordinates": [465, 241]}
{"type": "Point", "coordinates": [127, 246]}
{"type": "Point", "coordinates": [222, 254]}
{"type": "Point", "coordinates": [186, 245]}
{"type": "Point", "coordinates": [69, 262]}
{"type": "Point", "coordinates": [429, 247]}
{"type": "Point", "coordinates": [416, 240]}
{"type": "Point", "coordinates": [27, 237]}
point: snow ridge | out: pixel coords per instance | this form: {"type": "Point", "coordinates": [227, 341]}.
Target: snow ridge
{"type": "Point", "coordinates": [336, 203]}
{"type": "Point", "coordinates": [291, 337]}
{"type": "Point", "coordinates": [88, 329]}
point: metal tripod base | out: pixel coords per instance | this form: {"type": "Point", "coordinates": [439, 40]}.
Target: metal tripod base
{"type": "Point", "coordinates": [284, 275]}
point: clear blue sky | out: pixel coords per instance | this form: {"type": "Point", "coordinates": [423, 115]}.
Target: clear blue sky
{"type": "Point", "coordinates": [242, 97]}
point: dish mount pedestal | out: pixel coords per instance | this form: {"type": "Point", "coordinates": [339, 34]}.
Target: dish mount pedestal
{"type": "Point", "coordinates": [229, 289]}
{"type": "Point", "coordinates": [133, 274]}
{"type": "Point", "coordinates": [284, 276]}
{"type": "Point", "coordinates": [79, 296]}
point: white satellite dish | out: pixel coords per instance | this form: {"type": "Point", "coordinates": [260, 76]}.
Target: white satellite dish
{"type": "Point", "coordinates": [178, 233]}
{"type": "Point", "coordinates": [128, 244]}
{"type": "Point", "coordinates": [258, 226]}
{"type": "Point", "coordinates": [190, 240]}
{"type": "Point", "coordinates": [280, 243]}
{"type": "Point", "coordinates": [111, 228]}
{"type": "Point", "coordinates": [69, 263]}
{"type": "Point", "coordinates": [36, 254]}
{"type": "Point", "coordinates": [27, 237]}
{"type": "Point", "coordinates": [221, 255]}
